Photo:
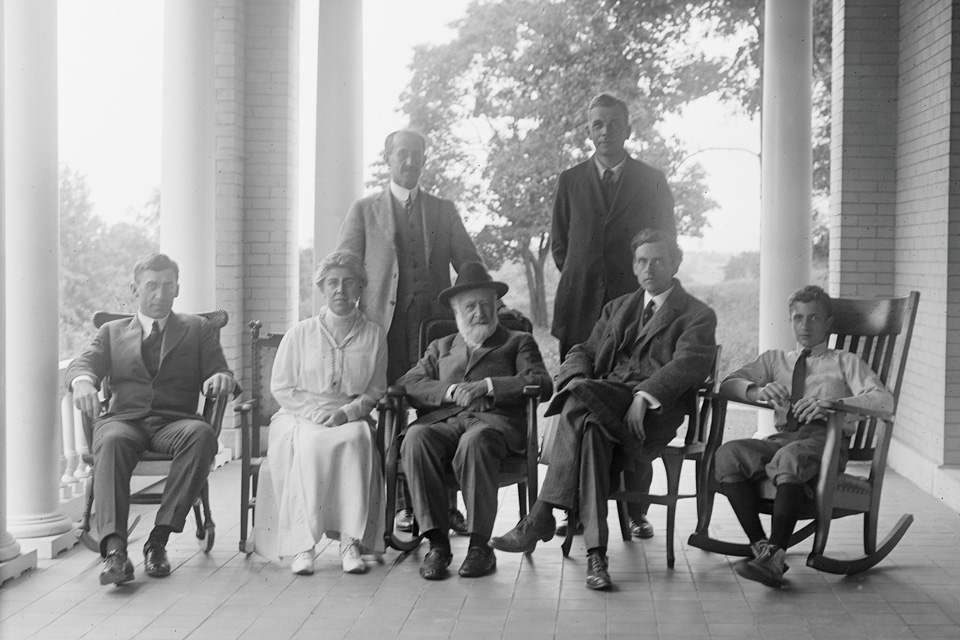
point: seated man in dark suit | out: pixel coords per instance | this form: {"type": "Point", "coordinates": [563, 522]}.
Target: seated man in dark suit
{"type": "Point", "coordinates": [617, 398]}
{"type": "Point", "coordinates": [469, 390]}
{"type": "Point", "coordinates": [158, 362]}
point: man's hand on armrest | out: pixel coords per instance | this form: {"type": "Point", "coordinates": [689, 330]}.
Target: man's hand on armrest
{"type": "Point", "coordinates": [219, 384]}
{"type": "Point", "coordinates": [86, 397]}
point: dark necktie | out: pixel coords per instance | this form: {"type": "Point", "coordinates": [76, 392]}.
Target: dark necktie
{"type": "Point", "coordinates": [647, 314]}
{"type": "Point", "coordinates": [151, 349]}
{"type": "Point", "coordinates": [796, 388]}
{"type": "Point", "coordinates": [408, 206]}
{"type": "Point", "coordinates": [607, 186]}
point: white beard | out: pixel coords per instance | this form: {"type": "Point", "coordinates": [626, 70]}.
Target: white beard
{"type": "Point", "coordinates": [475, 334]}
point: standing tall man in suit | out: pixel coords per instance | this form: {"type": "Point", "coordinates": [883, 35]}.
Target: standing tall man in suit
{"type": "Point", "coordinates": [469, 390]}
{"type": "Point", "coordinates": [408, 239]}
{"type": "Point", "coordinates": [618, 398]}
{"type": "Point", "coordinates": [599, 206]}
{"type": "Point", "coordinates": [158, 362]}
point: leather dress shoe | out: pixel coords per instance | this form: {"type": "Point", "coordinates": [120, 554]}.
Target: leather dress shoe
{"type": "Point", "coordinates": [458, 523]}
{"type": "Point", "coordinates": [403, 521]}
{"type": "Point", "coordinates": [155, 562]}
{"type": "Point", "coordinates": [641, 528]}
{"type": "Point", "coordinates": [480, 561]}
{"type": "Point", "coordinates": [523, 538]}
{"type": "Point", "coordinates": [117, 568]}
{"type": "Point", "coordinates": [563, 524]}
{"type": "Point", "coordinates": [435, 565]}
{"type": "Point", "coordinates": [597, 576]}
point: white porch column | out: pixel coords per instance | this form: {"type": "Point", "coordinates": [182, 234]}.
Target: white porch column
{"type": "Point", "coordinates": [786, 168]}
{"type": "Point", "coordinates": [32, 259]}
{"type": "Point", "coordinates": [339, 169]}
{"type": "Point", "coordinates": [187, 178]}
{"type": "Point", "coordinates": [12, 562]}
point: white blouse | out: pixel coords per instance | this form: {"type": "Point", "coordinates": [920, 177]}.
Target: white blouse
{"type": "Point", "coordinates": [314, 373]}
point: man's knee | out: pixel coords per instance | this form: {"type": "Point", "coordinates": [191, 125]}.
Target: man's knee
{"type": "Point", "coordinates": [110, 437]}
{"type": "Point", "coordinates": [414, 440]}
{"type": "Point", "coordinates": [480, 445]}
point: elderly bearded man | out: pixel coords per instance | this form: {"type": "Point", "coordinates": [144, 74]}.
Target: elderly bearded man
{"type": "Point", "coordinates": [468, 388]}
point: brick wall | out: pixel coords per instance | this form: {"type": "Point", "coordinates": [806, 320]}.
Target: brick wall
{"type": "Point", "coordinates": [923, 213]}
{"type": "Point", "coordinates": [229, 36]}
{"type": "Point", "coordinates": [863, 147]}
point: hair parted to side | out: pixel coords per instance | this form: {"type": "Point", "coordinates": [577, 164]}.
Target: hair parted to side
{"type": "Point", "coordinates": [609, 100]}
{"type": "Point", "coordinates": [647, 236]}
{"type": "Point", "coordinates": [349, 260]}
{"type": "Point", "coordinates": [388, 142]}
{"type": "Point", "coordinates": [812, 293]}
{"type": "Point", "coordinates": [155, 262]}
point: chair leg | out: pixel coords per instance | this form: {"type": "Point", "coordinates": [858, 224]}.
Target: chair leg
{"type": "Point", "coordinates": [870, 522]}
{"type": "Point", "coordinates": [673, 465]}
{"type": "Point", "coordinates": [624, 518]}
{"type": "Point", "coordinates": [89, 540]}
{"type": "Point", "coordinates": [206, 529]}
{"type": "Point", "coordinates": [522, 498]}
{"type": "Point", "coordinates": [573, 521]}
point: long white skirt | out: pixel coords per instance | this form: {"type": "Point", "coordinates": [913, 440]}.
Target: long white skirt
{"type": "Point", "coordinates": [318, 480]}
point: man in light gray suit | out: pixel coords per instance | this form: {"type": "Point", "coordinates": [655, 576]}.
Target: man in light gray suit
{"type": "Point", "coordinates": [408, 239]}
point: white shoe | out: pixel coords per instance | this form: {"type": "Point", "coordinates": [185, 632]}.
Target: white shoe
{"type": "Point", "coordinates": [303, 563]}
{"type": "Point", "coordinates": [350, 556]}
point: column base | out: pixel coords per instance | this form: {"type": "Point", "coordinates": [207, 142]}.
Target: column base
{"type": "Point", "coordinates": [223, 457]}
{"type": "Point", "coordinates": [14, 567]}
{"type": "Point", "coordinates": [49, 547]}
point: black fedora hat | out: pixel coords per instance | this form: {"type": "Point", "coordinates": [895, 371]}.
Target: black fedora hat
{"type": "Point", "coordinates": [472, 275]}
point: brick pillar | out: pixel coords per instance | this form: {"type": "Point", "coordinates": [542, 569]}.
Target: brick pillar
{"type": "Point", "coordinates": [271, 87]}
{"type": "Point", "coordinates": [863, 147]}
{"type": "Point", "coordinates": [927, 234]}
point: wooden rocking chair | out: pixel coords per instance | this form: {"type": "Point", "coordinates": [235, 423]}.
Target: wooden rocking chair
{"type": "Point", "coordinates": [878, 331]}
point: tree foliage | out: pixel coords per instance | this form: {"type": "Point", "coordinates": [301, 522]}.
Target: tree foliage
{"type": "Point", "coordinates": [96, 259]}
{"type": "Point", "coordinates": [504, 103]}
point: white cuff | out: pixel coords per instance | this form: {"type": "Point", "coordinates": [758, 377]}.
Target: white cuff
{"type": "Point", "coordinates": [652, 402]}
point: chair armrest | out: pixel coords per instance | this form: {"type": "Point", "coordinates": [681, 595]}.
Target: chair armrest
{"type": "Point", "coordinates": [245, 407]}
{"type": "Point", "coordinates": [837, 405]}
{"type": "Point", "coordinates": [726, 397]}
{"type": "Point", "coordinates": [396, 391]}
{"type": "Point", "coordinates": [531, 391]}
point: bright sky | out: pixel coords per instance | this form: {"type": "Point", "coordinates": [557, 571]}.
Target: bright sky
{"type": "Point", "coordinates": [110, 108]}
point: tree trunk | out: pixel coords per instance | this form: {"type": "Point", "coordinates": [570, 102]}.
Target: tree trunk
{"type": "Point", "coordinates": [533, 268]}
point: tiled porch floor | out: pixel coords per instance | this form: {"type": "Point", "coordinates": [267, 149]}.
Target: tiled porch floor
{"type": "Point", "coordinates": [914, 593]}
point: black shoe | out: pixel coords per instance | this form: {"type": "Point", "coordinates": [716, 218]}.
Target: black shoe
{"type": "Point", "coordinates": [641, 528]}
{"type": "Point", "coordinates": [597, 576]}
{"type": "Point", "coordinates": [155, 562]}
{"type": "Point", "coordinates": [458, 523]}
{"type": "Point", "coordinates": [435, 565]}
{"type": "Point", "coordinates": [523, 537]}
{"type": "Point", "coordinates": [117, 568]}
{"type": "Point", "coordinates": [561, 529]}
{"type": "Point", "coordinates": [480, 561]}
{"type": "Point", "coordinates": [404, 520]}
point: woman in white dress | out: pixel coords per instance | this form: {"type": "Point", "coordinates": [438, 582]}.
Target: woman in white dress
{"type": "Point", "coordinates": [323, 472]}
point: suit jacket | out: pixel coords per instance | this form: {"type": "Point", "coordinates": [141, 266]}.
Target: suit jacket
{"type": "Point", "coordinates": [189, 355]}
{"type": "Point", "coordinates": [676, 352]}
{"type": "Point", "coordinates": [370, 230]}
{"type": "Point", "coordinates": [511, 359]}
{"type": "Point", "coordinates": [592, 249]}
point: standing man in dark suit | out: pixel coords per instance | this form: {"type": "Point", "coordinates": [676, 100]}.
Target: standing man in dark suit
{"type": "Point", "coordinates": [469, 390]}
{"type": "Point", "coordinates": [599, 206]}
{"type": "Point", "coordinates": [409, 239]}
{"type": "Point", "coordinates": [618, 398]}
{"type": "Point", "coordinates": [158, 362]}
